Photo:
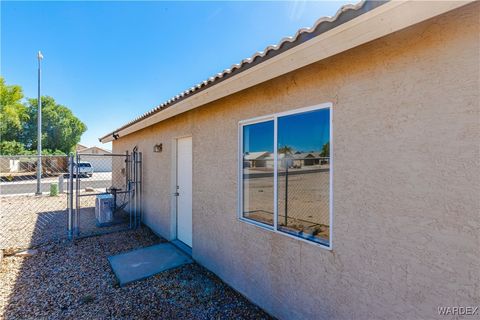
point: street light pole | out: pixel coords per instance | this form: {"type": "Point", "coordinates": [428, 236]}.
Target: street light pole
{"type": "Point", "coordinates": [39, 129]}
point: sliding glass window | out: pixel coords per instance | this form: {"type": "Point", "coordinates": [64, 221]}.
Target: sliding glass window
{"type": "Point", "coordinates": [304, 174]}
{"type": "Point", "coordinates": [257, 172]}
{"type": "Point", "coordinates": [299, 203]}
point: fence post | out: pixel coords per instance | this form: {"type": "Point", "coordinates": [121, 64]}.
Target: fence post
{"type": "Point", "coordinates": [286, 193]}
{"type": "Point", "coordinates": [60, 183]}
{"type": "Point", "coordinates": [128, 187]}
{"type": "Point", "coordinates": [135, 199]}
{"type": "Point", "coordinates": [140, 188]}
{"type": "Point", "coordinates": [77, 197]}
{"type": "Point", "coordinates": [70, 197]}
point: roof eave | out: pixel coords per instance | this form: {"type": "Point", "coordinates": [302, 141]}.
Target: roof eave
{"type": "Point", "coordinates": [370, 25]}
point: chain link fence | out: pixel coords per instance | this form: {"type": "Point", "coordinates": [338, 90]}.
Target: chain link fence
{"type": "Point", "coordinates": [82, 195]}
{"type": "Point", "coordinates": [106, 193]}
{"type": "Point", "coordinates": [32, 212]}
{"type": "Point", "coordinates": [304, 197]}
{"type": "Point", "coordinates": [303, 194]}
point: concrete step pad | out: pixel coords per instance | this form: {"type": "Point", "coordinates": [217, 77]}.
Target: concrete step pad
{"type": "Point", "coordinates": [145, 262]}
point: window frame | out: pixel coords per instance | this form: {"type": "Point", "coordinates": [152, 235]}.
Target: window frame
{"type": "Point", "coordinates": [275, 117]}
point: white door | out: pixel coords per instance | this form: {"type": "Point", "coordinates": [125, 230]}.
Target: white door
{"type": "Point", "coordinates": [184, 190]}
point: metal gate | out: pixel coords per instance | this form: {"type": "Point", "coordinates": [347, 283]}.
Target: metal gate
{"type": "Point", "coordinates": [104, 193]}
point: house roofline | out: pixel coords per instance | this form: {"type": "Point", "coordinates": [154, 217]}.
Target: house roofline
{"type": "Point", "coordinates": [352, 26]}
{"type": "Point", "coordinates": [93, 147]}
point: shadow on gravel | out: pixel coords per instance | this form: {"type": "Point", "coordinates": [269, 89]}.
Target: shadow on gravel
{"type": "Point", "coordinates": [30, 221]}
{"type": "Point", "coordinates": [73, 280]}
{"type": "Point", "coordinates": [50, 227]}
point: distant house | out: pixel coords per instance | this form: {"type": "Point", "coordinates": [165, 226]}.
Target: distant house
{"type": "Point", "coordinates": [79, 147]}
{"type": "Point", "coordinates": [256, 159]}
{"type": "Point", "coordinates": [309, 159]}
{"type": "Point", "coordinates": [99, 163]}
{"type": "Point", "coordinates": [389, 229]}
{"type": "Point", "coordinates": [304, 159]}
{"type": "Point", "coordinates": [267, 160]}
{"type": "Point", "coordinates": [92, 150]}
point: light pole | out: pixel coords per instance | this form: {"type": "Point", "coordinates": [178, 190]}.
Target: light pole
{"type": "Point", "coordinates": [39, 130]}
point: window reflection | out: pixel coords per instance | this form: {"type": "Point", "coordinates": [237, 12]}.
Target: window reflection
{"type": "Point", "coordinates": [258, 172]}
{"type": "Point", "coordinates": [304, 175]}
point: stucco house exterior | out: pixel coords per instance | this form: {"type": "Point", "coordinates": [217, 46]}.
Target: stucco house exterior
{"type": "Point", "coordinates": [389, 229]}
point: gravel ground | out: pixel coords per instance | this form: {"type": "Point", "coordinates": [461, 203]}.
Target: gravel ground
{"type": "Point", "coordinates": [30, 221]}
{"type": "Point", "coordinates": [73, 280]}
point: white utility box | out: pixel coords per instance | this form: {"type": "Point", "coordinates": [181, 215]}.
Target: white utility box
{"type": "Point", "coordinates": [104, 209]}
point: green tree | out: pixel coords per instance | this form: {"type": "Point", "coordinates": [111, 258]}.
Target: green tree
{"type": "Point", "coordinates": [325, 150]}
{"type": "Point", "coordinates": [61, 130]}
{"type": "Point", "coordinates": [11, 148]}
{"type": "Point", "coordinates": [13, 112]}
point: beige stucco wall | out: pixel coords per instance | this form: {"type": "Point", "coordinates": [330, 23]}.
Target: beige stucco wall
{"type": "Point", "coordinates": [406, 181]}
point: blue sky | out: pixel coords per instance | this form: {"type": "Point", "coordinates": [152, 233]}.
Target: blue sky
{"type": "Point", "coordinates": [112, 61]}
{"type": "Point", "coordinates": [258, 137]}
{"type": "Point", "coordinates": [303, 132]}
{"type": "Point", "coordinates": [306, 132]}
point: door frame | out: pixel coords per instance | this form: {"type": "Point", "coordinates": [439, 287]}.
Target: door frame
{"type": "Point", "coordinates": [173, 187]}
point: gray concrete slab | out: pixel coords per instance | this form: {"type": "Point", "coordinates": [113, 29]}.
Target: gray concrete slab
{"type": "Point", "coordinates": [146, 262]}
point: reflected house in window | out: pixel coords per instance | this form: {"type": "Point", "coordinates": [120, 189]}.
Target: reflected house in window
{"type": "Point", "coordinates": [304, 159]}
{"type": "Point", "coordinates": [256, 159]}
{"type": "Point", "coordinates": [266, 160]}
{"type": "Point", "coordinates": [308, 159]}
{"type": "Point", "coordinates": [292, 197]}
